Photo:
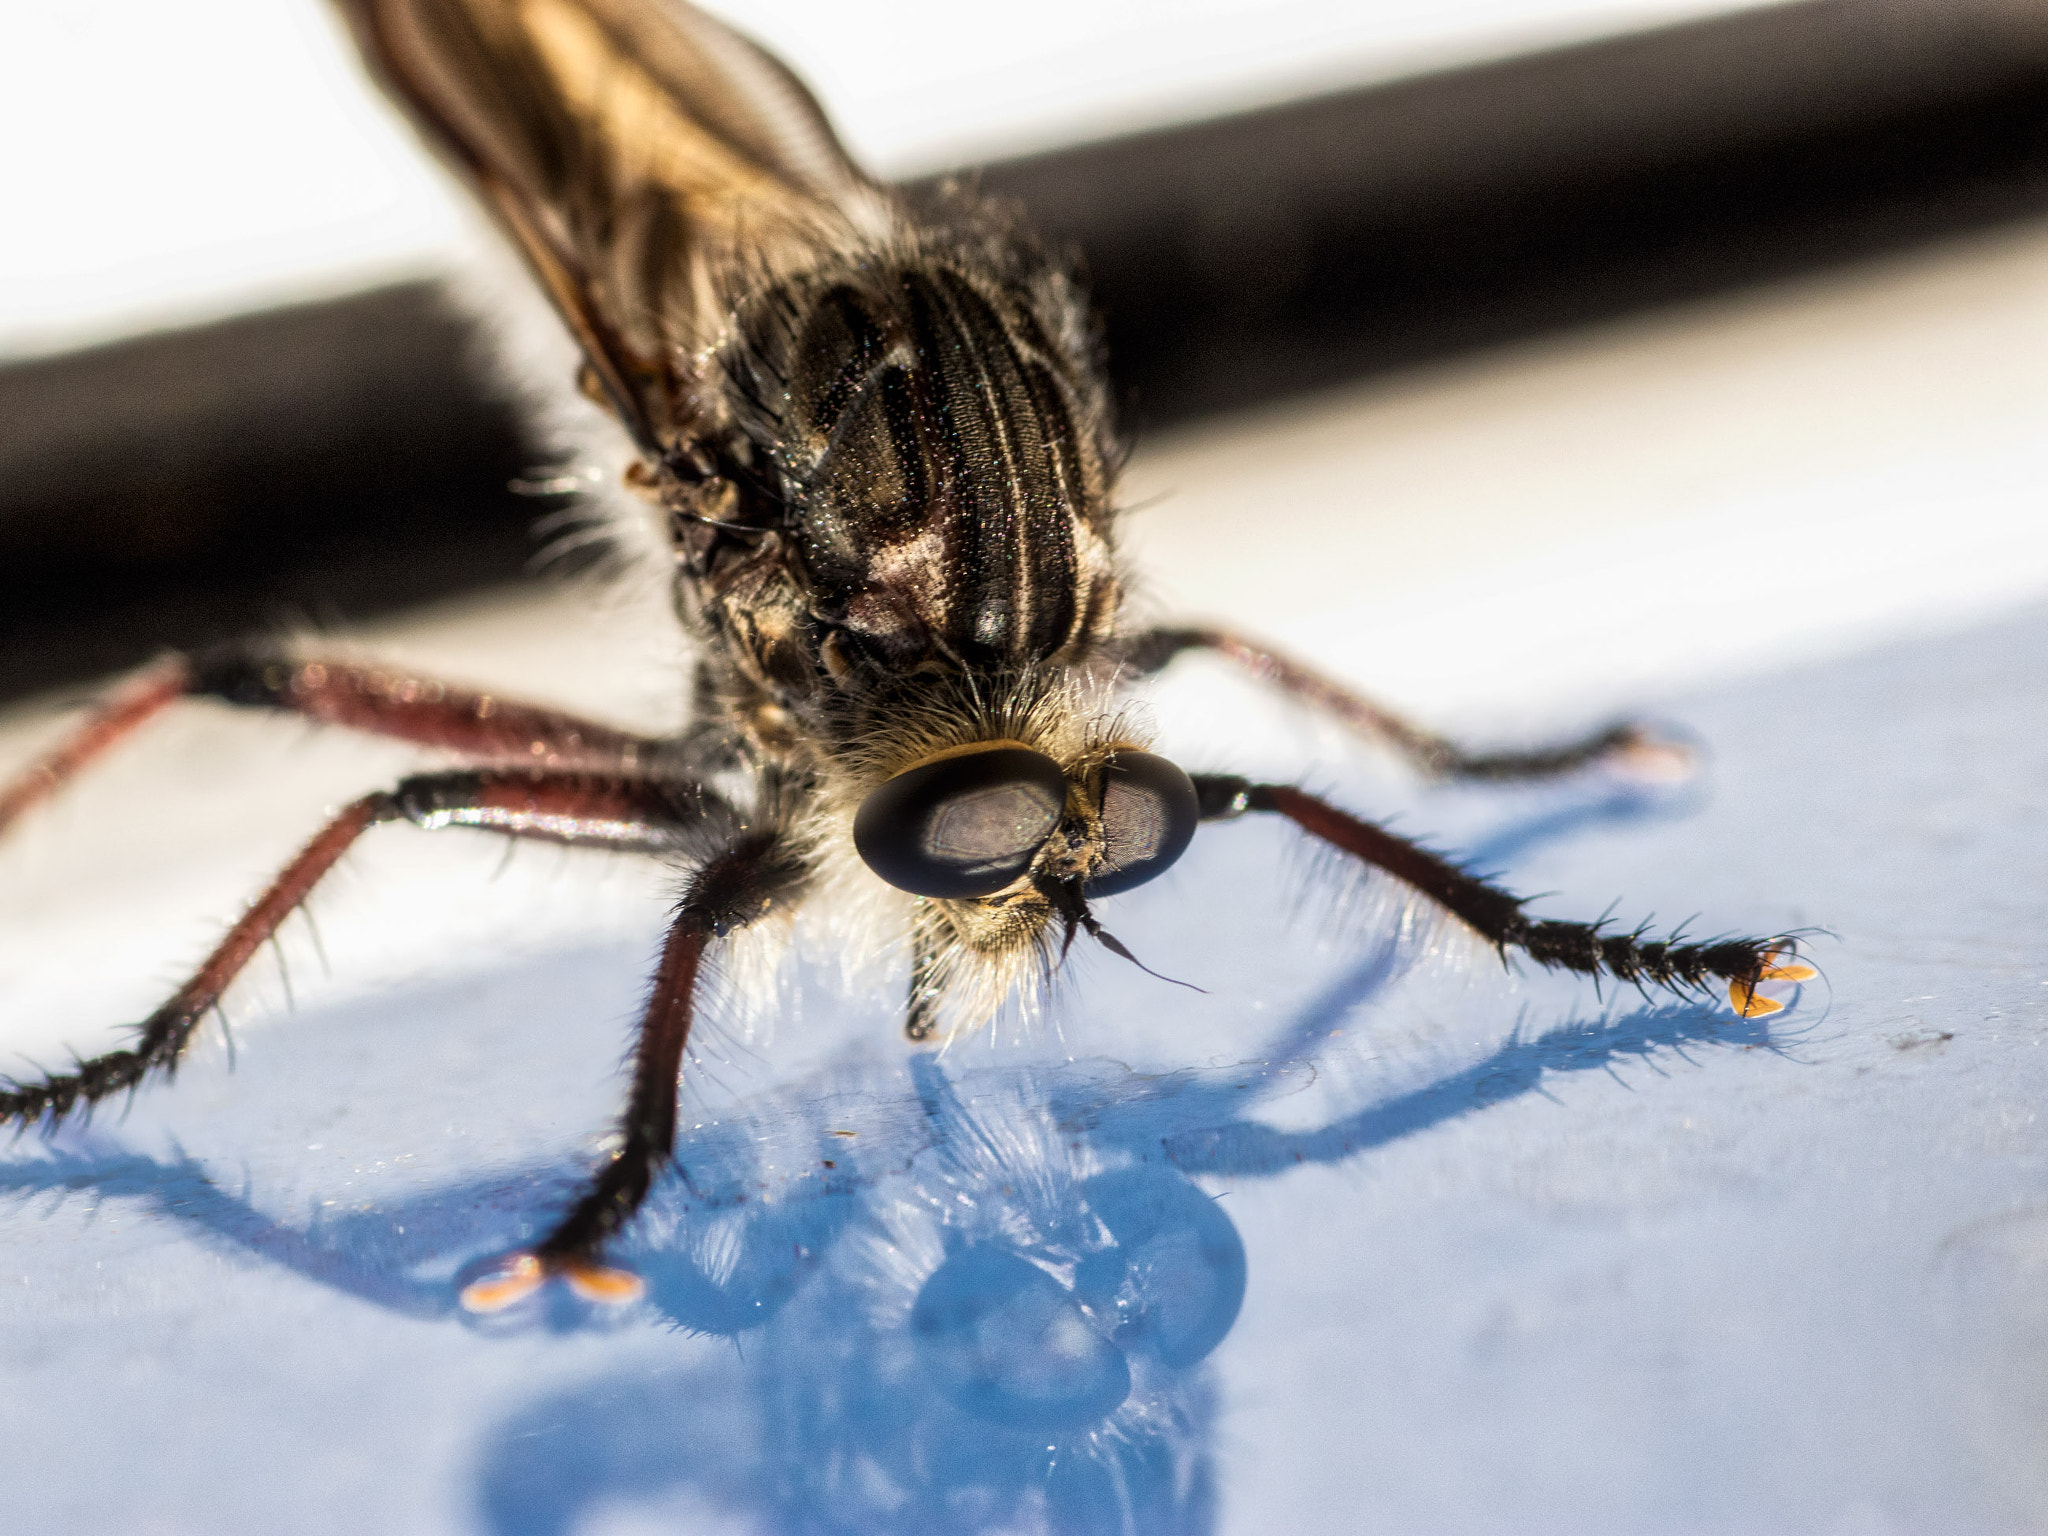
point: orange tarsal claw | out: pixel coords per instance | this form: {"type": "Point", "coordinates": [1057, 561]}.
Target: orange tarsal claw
{"type": "Point", "coordinates": [1751, 1004]}
{"type": "Point", "coordinates": [1778, 966]}
{"type": "Point", "coordinates": [602, 1284]}
{"type": "Point", "coordinates": [519, 1277]}
{"type": "Point", "coordinates": [1654, 760]}
{"type": "Point", "coordinates": [515, 1282]}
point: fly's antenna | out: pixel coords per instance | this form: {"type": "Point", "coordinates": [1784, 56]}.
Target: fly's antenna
{"type": "Point", "coordinates": [1115, 946]}
{"type": "Point", "coordinates": [1072, 907]}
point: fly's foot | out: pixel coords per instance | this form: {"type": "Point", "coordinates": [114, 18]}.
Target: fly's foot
{"type": "Point", "coordinates": [1750, 999]}
{"type": "Point", "coordinates": [604, 1285]}
{"type": "Point", "coordinates": [504, 1284]}
{"type": "Point", "coordinates": [1643, 756]}
{"type": "Point", "coordinates": [512, 1279]}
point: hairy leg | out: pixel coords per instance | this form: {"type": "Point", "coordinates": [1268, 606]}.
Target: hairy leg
{"type": "Point", "coordinates": [630, 814]}
{"type": "Point", "coordinates": [756, 872]}
{"type": "Point", "coordinates": [1740, 964]}
{"type": "Point", "coordinates": [1434, 755]}
{"type": "Point", "coordinates": [479, 727]}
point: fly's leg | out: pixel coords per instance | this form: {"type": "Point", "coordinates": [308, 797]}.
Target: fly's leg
{"type": "Point", "coordinates": [621, 813]}
{"type": "Point", "coordinates": [162, 1038]}
{"type": "Point", "coordinates": [113, 720]}
{"type": "Point", "coordinates": [479, 727]}
{"type": "Point", "coordinates": [1741, 965]}
{"type": "Point", "coordinates": [755, 872]}
{"type": "Point", "coordinates": [1628, 746]}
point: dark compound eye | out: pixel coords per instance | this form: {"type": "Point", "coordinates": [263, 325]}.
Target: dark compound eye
{"type": "Point", "coordinates": [1149, 813]}
{"type": "Point", "coordinates": [962, 826]}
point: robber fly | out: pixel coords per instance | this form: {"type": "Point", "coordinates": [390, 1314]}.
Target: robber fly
{"type": "Point", "coordinates": [874, 432]}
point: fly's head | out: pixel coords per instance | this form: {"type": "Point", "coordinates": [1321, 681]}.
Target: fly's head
{"type": "Point", "coordinates": [1009, 833]}
{"type": "Point", "coordinates": [998, 822]}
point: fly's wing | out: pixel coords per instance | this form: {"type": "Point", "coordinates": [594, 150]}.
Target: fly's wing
{"type": "Point", "coordinates": [637, 151]}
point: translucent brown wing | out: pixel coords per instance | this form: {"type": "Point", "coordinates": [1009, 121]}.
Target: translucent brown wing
{"type": "Point", "coordinates": [636, 150]}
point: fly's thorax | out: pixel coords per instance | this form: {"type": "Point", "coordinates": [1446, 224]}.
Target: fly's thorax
{"type": "Point", "coordinates": [900, 472]}
{"type": "Point", "coordinates": [938, 444]}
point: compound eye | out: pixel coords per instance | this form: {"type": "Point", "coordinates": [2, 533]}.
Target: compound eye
{"type": "Point", "coordinates": [1149, 811]}
{"type": "Point", "coordinates": [962, 826]}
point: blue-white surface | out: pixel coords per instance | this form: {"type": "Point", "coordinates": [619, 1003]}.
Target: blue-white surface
{"type": "Point", "coordinates": [1513, 1257]}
